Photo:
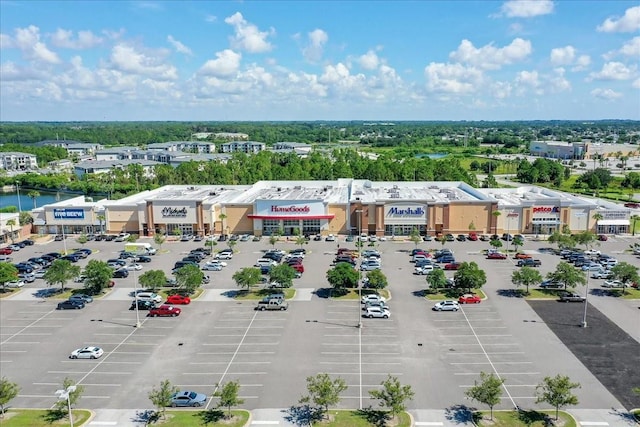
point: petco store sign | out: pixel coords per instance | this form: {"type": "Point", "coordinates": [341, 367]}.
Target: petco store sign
{"type": "Point", "coordinates": [403, 214]}
{"type": "Point", "coordinates": [293, 208]}
{"type": "Point", "coordinates": [546, 210]}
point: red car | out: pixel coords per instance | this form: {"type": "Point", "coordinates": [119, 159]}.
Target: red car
{"type": "Point", "coordinates": [165, 310]}
{"type": "Point", "coordinates": [520, 255]}
{"type": "Point", "coordinates": [5, 251]}
{"type": "Point", "coordinates": [496, 255]}
{"type": "Point", "coordinates": [473, 237]}
{"type": "Point", "coordinates": [452, 266]}
{"type": "Point", "coordinates": [469, 299]}
{"type": "Point", "coordinates": [602, 237]}
{"type": "Point", "coordinates": [178, 299]}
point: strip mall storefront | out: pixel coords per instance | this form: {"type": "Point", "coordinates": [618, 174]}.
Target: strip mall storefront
{"type": "Point", "coordinates": [613, 222]}
{"type": "Point", "coordinates": [545, 219]}
{"type": "Point", "coordinates": [290, 217]}
{"type": "Point", "coordinates": [402, 219]}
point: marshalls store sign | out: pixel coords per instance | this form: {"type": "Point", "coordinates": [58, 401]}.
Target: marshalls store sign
{"type": "Point", "coordinates": [405, 214]}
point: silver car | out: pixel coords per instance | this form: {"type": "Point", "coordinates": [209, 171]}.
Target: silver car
{"type": "Point", "coordinates": [378, 312]}
{"type": "Point", "coordinates": [448, 305]}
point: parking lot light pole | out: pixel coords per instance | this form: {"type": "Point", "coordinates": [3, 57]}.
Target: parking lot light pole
{"type": "Point", "coordinates": [360, 243]}
{"type": "Point", "coordinates": [66, 395]}
{"type": "Point", "coordinates": [586, 301]}
{"type": "Point", "coordinates": [18, 193]}
{"type": "Point", "coordinates": [135, 300]}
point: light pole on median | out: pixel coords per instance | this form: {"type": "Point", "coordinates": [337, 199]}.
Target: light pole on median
{"type": "Point", "coordinates": [66, 395]}
{"type": "Point", "coordinates": [135, 292]}
{"type": "Point", "coordinates": [360, 244]}
{"type": "Point", "coordinates": [586, 301]}
{"type": "Point", "coordinates": [18, 193]}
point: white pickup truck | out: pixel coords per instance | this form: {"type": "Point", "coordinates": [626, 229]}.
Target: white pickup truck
{"type": "Point", "coordinates": [272, 304]}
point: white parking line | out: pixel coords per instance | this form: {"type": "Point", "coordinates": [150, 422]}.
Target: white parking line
{"type": "Point", "coordinates": [428, 423]}
{"type": "Point", "coordinates": [19, 342]}
{"type": "Point", "coordinates": [593, 423]}
{"type": "Point", "coordinates": [504, 373]}
{"type": "Point", "coordinates": [49, 396]}
{"type": "Point", "coordinates": [363, 363]}
{"type": "Point", "coordinates": [223, 363]}
{"type": "Point", "coordinates": [233, 343]}
{"type": "Point", "coordinates": [489, 362]}
{"type": "Point", "coordinates": [364, 353]}
{"type": "Point", "coordinates": [13, 351]}
{"type": "Point", "coordinates": [222, 353]}
{"type": "Point", "coordinates": [271, 423]}
{"type": "Point", "coordinates": [91, 372]}
{"type": "Point", "coordinates": [225, 373]}
{"type": "Point", "coordinates": [130, 352]}
{"type": "Point", "coordinates": [471, 354]}
{"type": "Point", "coordinates": [110, 363]}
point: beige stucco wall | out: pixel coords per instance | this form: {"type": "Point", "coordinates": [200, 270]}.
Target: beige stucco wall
{"type": "Point", "coordinates": [119, 219]}
{"type": "Point", "coordinates": [338, 225]}
{"type": "Point", "coordinates": [237, 221]}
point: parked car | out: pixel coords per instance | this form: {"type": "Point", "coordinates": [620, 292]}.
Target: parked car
{"type": "Point", "coordinates": [17, 284]}
{"type": "Point", "coordinates": [90, 352]}
{"type": "Point", "coordinates": [165, 311]}
{"type": "Point", "coordinates": [449, 237]}
{"type": "Point", "coordinates": [70, 305]}
{"type": "Point", "coordinates": [602, 237]}
{"type": "Point", "coordinates": [224, 255]}
{"type": "Point", "coordinates": [330, 238]}
{"type": "Point", "coordinates": [529, 262]}
{"type": "Point", "coordinates": [142, 305]}
{"type": "Point", "coordinates": [372, 297]}
{"type": "Point", "coordinates": [6, 251]}
{"type": "Point", "coordinates": [27, 277]}
{"type": "Point", "coordinates": [121, 273]}
{"type": "Point", "coordinates": [178, 299]}
{"type": "Point", "coordinates": [133, 267]}
{"type": "Point", "coordinates": [188, 398]}
{"type": "Point", "coordinates": [496, 255]}
{"type": "Point", "coordinates": [143, 259]}
{"type": "Point", "coordinates": [370, 266]}
{"type": "Point", "coordinates": [473, 237]}
{"type": "Point", "coordinates": [376, 312]}
{"type": "Point", "coordinates": [550, 284]}
{"type": "Point", "coordinates": [469, 299]}
{"type": "Point", "coordinates": [461, 238]}
{"type": "Point", "coordinates": [149, 296]}
{"type": "Point", "coordinates": [601, 274]}
{"type": "Point", "coordinates": [424, 270]}
{"type": "Point", "coordinates": [81, 297]}
{"type": "Point", "coordinates": [571, 297]}
{"type": "Point", "coordinates": [447, 305]}
{"type": "Point", "coordinates": [212, 266]}
{"type": "Point", "coordinates": [521, 255]}
{"type": "Point", "coordinates": [614, 284]}
{"type": "Point", "coordinates": [452, 266]}
{"type": "Point", "coordinates": [122, 237]}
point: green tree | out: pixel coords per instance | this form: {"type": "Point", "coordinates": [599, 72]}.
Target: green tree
{"type": "Point", "coordinates": [210, 243]}
{"type": "Point", "coordinates": [152, 279]}
{"type": "Point", "coordinates": [177, 232]}
{"type": "Point", "coordinates": [133, 238]}
{"type": "Point", "coordinates": [597, 217]}
{"type": "Point", "coordinates": [487, 392]}
{"type": "Point", "coordinates": [526, 276]}
{"type": "Point", "coordinates": [557, 392]}
{"type": "Point", "coordinates": [568, 275]}
{"type": "Point", "coordinates": [377, 279]}
{"type": "Point", "coordinates": [159, 239]}
{"type": "Point", "coordinates": [189, 278]}
{"type": "Point", "coordinates": [60, 272]}
{"type": "Point", "coordinates": [8, 273]}
{"type": "Point", "coordinates": [517, 242]}
{"type": "Point", "coordinates": [12, 223]}
{"type": "Point", "coordinates": [228, 395]}
{"type": "Point", "coordinates": [634, 219]}
{"type": "Point", "coordinates": [82, 239]}
{"type": "Point", "coordinates": [283, 274]}
{"type": "Point", "coordinates": [232, 244]}
{"type": "Point", "coordinates": [625, 273]}
{"type": "Point", "coordinates": [161, 396]}
{"type": "Point", "coordinates": [563, 240]}
{"type": "Point", "coordinates": [393, 395]}
{"type": "Point", "coordinates": [342, 276]}
{"type": "Point", "coordinates": [8, 391]}
{"type": "Point", "coordinates": [301, 240]}
{"type": "Point", "coordinates": [470, 276]}
{"type": "Point", "coordinates": [62, 405]}
{"type": "Point", "coordinates": [496, 215]}
{"type": "Point", "coordinates": [585, 238]}
{"type": "Point", "coordinates": [495, 243]}
{"type": "Point", "coordinates": [324, 391]}
{"type": "Point", "coordinates": [415, 237]}
{"type": "Point", "coordinates": [437, 279]}
{"type": "Point", "coordinates": [223, 226]}
{"type": "Point", "coordinates": [273, 239]}
{"type": "Point", "coordinates": [247, 277]}
{"type": "Point", "coordinates": [98, 275]}
{"type": "Point", "coordinates": [25, 218]}
{"type": "Point", "coordinates": [33, 194]}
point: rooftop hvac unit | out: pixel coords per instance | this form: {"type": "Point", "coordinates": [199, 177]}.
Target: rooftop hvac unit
{"type": "Point", "coordinates": [213, 193]}
{"type": "Point", "coordinates": [394, 195]}
{"type": "Point", "coordinates": [297, 187]}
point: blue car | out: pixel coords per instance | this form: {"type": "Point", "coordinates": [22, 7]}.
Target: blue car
{"type": "Point", "coordinates": [188, 398]}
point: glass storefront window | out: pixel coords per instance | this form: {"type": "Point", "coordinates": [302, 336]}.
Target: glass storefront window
{"type": "Point", "coordinates": [270, 227]}
{"type": "Point", "coordinates": [404, 229]}
{"type": "Point", "coordinates": [310, 226]}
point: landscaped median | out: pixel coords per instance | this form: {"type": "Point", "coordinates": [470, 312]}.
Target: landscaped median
{"type": "Point", "coordinates": [523, 418]}
{"type": "Point", "coordinates": [42, 418]}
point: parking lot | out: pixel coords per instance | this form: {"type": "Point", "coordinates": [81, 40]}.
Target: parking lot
{"type": "Point", "coordinates": [218, 339]}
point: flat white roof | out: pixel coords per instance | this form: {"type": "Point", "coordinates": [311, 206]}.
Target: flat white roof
{"type": "Point", "coordinates": [427, 191]}
{"type": "Point", "coordinates": [529, 195]}
{"type": "Point", "coordinates": [333, 192]}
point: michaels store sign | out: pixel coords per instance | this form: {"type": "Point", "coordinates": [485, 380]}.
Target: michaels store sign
{"type": "Point", "coordinates": [403, 214]}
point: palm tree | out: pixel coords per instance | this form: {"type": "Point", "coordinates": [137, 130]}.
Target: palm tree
{"type": "Point", "coordinates": [496, 214]}
{"type": "Point", "coordinates": [12, 223]}
{"type": "Point", "coordinates": [34, 194]}
{"type": "Point", "coordinates": [598, 217]}
{"type": "Point", "coordinates": [222, 224]}
{"type": "Point", "coordinates": [101, 218]}
{"type": "Point", "coordinates": [634, 218]}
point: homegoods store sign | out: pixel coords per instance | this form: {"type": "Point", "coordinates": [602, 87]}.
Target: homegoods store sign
{"type": "Point", "coordinates": [294, 208]}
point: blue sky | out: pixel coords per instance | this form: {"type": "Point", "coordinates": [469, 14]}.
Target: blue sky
{"type": "Point", "coordinates": [323, 60]}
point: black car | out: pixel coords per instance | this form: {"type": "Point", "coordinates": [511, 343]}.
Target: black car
{"type": "Point", "coordinates": [265, 269]}
{"type": "Point", "coordinates": [85, 250]}
{"type": "Point", "coordinates": [23, 267]}
{"type": "Point", "coordinates": [55, 255]}
{"type": "Point", "coordinates": [449, 237]}
{"type": "Point", "coordinates": [99, 237]}
{"type": "Point", "coordinates": [317, 238]}
{"type": "Point", "coordinates": [529, 262]}
{"type": "Point", "coordinates": [298, 251]}
{"type": "Point", "coordinates": [28, 242]}
{"type": "Point", "coordinates": [121, 273]}
{"type": "Point", "coordinates": [142, 305]}
{"type": "Point", "coordinates": [571, 297]}
{"type": "Point", "coordinates": [461, 238]}
{"type": "Point", "coordinates": [222, 238]}
{"type": "Point", "coordinates": [126, 255]}
{"type": "Point", "coordinates": [58, 238]}
{"type": "Point", "coordinates": [72, 257]}
{"type": "Point", "coordinates": [143, 259]}
{"type": "Point", "coordinates": [70, 305]}
{"type": "Point", "coordinates": [81, 254]}
{"type": "Point", "coordinates": [109, 237]}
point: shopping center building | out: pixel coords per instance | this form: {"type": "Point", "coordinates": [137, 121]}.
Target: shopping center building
{"type": "Point", "coordinates": [342, 206]}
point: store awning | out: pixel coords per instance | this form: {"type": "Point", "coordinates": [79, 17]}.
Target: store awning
{"type": "Point", "coordinates": [291, 217]}
{"type": "Point", "coordinates": [614, 222]}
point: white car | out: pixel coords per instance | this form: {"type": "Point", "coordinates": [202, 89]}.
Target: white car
{"type": "Point", "coordinates": [265, 262]}
{"type": "Point", "coordinates": [330, 238]}
{"type": "Point", "coordinates": [594, 266]}
{"type": "Point", "coordinates": [212, 266]}
{"type": "Point", "coordinates": [15, 284]}
{"type": "Point", "coordinates": [122, 237]}
{"type": "Point", "coordinates": [448, 305]}
{"type": "Point", "coordinates": [371, 298]}
{"type": "Point", "coordinates": [86, 353]}
{"type": "Point", "coordinates": [224, 255]}
{"type": "Point", "coordinates": [370, 266]}
{"type": "Point", "coordinates": [600, 274]}
{"type": "Point", "coordinates": [591, 252]}
{"type": "Point", "coordinates": [377, 312]}
{"type": "Point", "coordinates": [614, 284]}
{"type": "Point", "coordinates": [28, 277]}
{"type": "Point", "coordinates": [134, 267]}
{"type": "Point", "coordinates": [425, 269]}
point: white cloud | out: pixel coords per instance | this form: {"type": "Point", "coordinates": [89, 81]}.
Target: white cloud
{"type": "Point", "coordinates": [85, 40]}
{"type": "Point", "coordinates": [582, 63]}
{"type": "Point", "coordinates": [452, 78]}
{"type": "Point", "coordinates": [315, 48]}
{"type": "Point", "coordinates": [558, 82]}
{"type": "Point", "coordinates": [526, 8]}
{"type": "Point", "coordinates": [247, 36]}
{"type": "Point", "coordinates": [563, 55]}
{"type": "Point", "coordinates": [211, 18]}
{"type": "Point", "coordinates": [501, 90]}
{"type": "Point", "coordinates": [226, 64]}
{"type": "Point", "coordinates": [178, 46]}
{"type": "Point", "coordinates": [607, 94]}
{"type": "Point", "coordinates": [614, 71]}
{"type": "Point", "coordinates": [631, 48]}
{"type": "Point", "coordinates": [369, 61]}
{"type": "Point", "coordinates": [490, 57]}
{"type": "Point", "coordinates": [11, 71]}
{"type": "Point", "coordinates": [27, 40]}
{"type": "Point", "coordinates": [636, 84]}
{"type": "Point", "coordinates": [126, 58]}
{"type": "Point", "coordinates": [629, 23]}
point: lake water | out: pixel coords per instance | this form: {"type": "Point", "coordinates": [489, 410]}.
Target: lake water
{"type": "Point", "coordinates": [26, 202]}
{"type": "Point", "coordinates": [431, 156]}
